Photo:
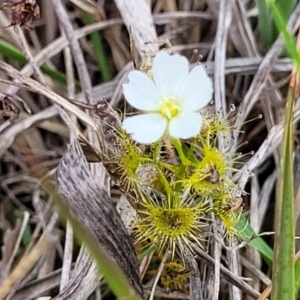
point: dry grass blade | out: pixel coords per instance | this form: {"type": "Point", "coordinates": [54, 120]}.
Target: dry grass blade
{"type": "Point", "coordinates": [85, 278]}
{"type": "Point", "coordinates": [61, 43]}
{"type": "Point", "coordinates": [195, 282]}
{"type": "Point", "coordinates": [7, 137]}
{"type": "Point", "coordinates": [269, 145]}
{"type": "Point", "coordinates": [38, 286]}
{"type": "Point", "coordinates": [143, 28]}
{"type": "Point", "coordinates": [76, 50]}
{"type": "Point", "coordinates": [225, 273]}
{"type": "Point", "coordinates": [66, 269]}
{"type": "Point", "coordinates": [224, 22]}
{"type": "Point", "coordinates": [10, 247]}
{"type": "Point", "coordinates": [259, 80]}
{"type": "Point", "coordinates": [24, 266]}
{"type": "Point", "coordinates": [91, 205]}
{"type": "Point", "coordinates": [38, 88]}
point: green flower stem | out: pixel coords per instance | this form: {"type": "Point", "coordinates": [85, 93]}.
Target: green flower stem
{"type": "Point", "coordinates": [178, 146]}
{"type": "Point", "coordinates": [165, 182]}
{"type": "Point", "coordinates": [182, 169]}
{"type": "Point", "coordinates": [161, 175]}
{"type": "Point", "coordinates": [159, 164]}
{"type": "Point", "coordinates": [190, 153]}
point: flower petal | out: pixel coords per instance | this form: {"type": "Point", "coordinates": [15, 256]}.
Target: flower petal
{"type": "Point", "coordinates": [169, 73]}
{"type": "Point", "coordinates": [146, 128]}
{"type": "Point", "coordinates": [185, 125]}
{"type": "Point", "coordinates": [141, 92]}
{"type": "Point", "coordinates": [196, 91]}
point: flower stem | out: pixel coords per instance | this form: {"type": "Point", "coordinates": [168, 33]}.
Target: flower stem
{"type": "Point", "coordinates": [178, 146]}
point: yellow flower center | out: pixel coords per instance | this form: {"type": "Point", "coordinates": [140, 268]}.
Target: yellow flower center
{"type": "Point", "coordinates": [169, 108]}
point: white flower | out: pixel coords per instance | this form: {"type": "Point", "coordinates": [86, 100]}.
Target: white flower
{"type": "Point", "coordinates": [170, 102]}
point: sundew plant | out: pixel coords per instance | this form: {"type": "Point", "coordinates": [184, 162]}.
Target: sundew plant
{"type": "Point", "coordinates": [169, 161]}
{"type": "Point", "coordinates": [153, 177]}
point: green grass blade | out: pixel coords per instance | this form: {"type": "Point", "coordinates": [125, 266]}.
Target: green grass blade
{"type": "Point", "coordinates": [247, 233]}
{"type": "Point", "coordinates": [283, 277]}
{"type": "Point", "coordinates": [288, 37]}
{"type": "Point", "coordinates": [27, 235]}
{"type": "Point", "coordinates": [11, 52]}
{"type": "Point", "coordinates": [99, 51]}
{"type": "Point", "coordinates": [284, 245]}
{"type": "Point", "coordinates": [286, 7]}
{"type": "Point", "coordinates": [265, 22]}
{"type": "Point", "coordinates": [297, 276]}
{"type": "Point", "coordinates": [57, 76]}
{"type": "Point", "coordinates": [268, 28]}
